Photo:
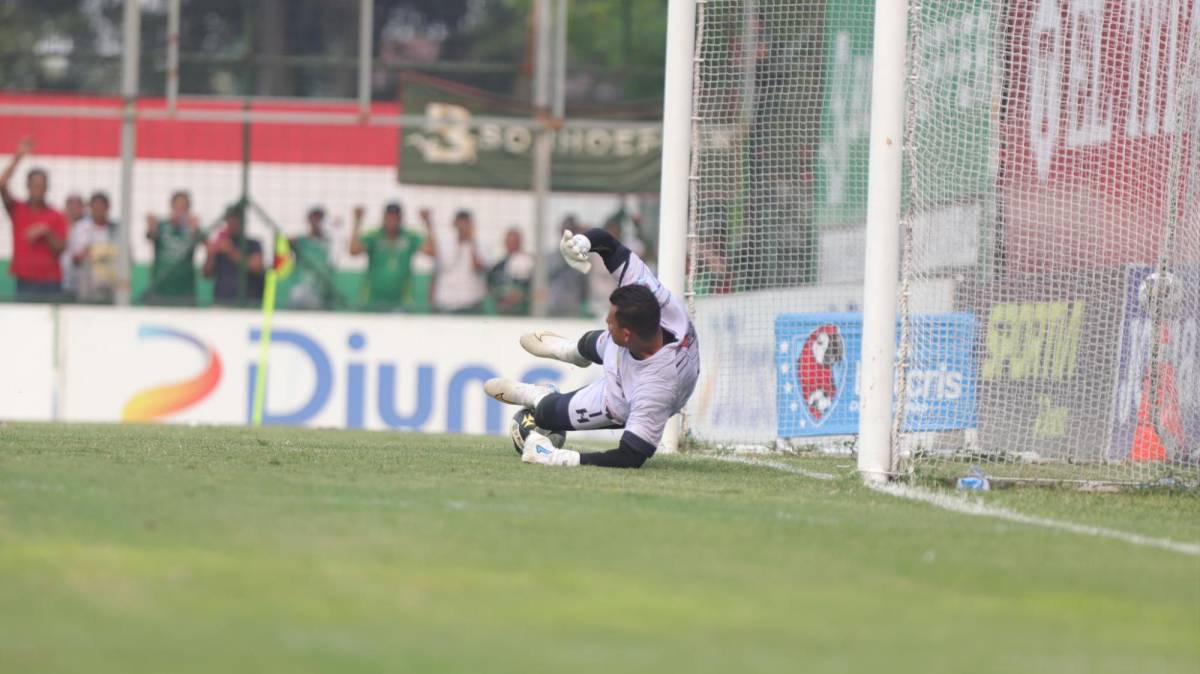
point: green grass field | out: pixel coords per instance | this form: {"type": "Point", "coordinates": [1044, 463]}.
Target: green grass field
{"type": "Point", "coordinates": [172, 549]}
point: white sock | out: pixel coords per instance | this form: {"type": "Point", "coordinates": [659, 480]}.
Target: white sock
{"type": "Point", "coordinates": [567, 350]}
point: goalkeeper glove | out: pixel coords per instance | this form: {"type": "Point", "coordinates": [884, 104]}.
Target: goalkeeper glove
{"type": "Point", "coordinates": [575, 249]}
{"type": "Point", "coordinates": [539, 449]}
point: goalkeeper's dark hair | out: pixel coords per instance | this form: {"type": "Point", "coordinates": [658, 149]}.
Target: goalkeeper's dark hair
{"type": "Point", "coordinates": [637, 309]}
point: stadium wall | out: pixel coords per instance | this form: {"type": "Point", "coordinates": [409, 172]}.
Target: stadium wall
{"type": "Point", "coordinates": [90, 364]}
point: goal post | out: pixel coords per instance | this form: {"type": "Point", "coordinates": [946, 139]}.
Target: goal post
{"type": "Point", "coordinates": [676, 163]}
{"type": "Point", "coordinates": [950, 236]}
{"type": "Point", "coordinates": [882, 245]}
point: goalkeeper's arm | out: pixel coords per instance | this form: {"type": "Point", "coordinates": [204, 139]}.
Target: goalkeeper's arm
{"type": "Point", "coordinates": [632, 452]}
{"type": "Point", "coordinates": [608, 247]}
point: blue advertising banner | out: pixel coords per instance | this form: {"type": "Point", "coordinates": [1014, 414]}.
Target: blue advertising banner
{"type": "Point", "coordinates": [1139, 421]}
{"type": "Point", "coordinates": [817, 373]}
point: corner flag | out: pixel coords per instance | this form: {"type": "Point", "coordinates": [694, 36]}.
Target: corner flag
{"type": "Point", "coordinates": [282, 265]}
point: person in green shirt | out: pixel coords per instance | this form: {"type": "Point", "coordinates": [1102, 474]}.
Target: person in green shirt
{"type": "Point", "coordinates": [314, 272]}
{"type": "Point", "coordinates": [389, 251]}
{"type": "Point", "coordinates": [175, 237]}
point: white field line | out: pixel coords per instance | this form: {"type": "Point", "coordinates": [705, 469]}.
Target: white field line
{"type": "Point", "coordinates": [776, 465]}
{"type": "Point", "coordinates": [959, 503]}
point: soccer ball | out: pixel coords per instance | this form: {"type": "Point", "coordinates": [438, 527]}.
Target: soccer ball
{"type": "Point", "coordinates": [523, 424]}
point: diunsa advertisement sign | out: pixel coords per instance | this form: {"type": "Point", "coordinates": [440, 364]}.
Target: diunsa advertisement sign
{"type": "Point", "coordinates": [338, 370]}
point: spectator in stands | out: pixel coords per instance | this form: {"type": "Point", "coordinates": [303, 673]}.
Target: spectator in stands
{"type": "Point", "coordinates": [458, 283]}
{"type": "Point", "coordinates": [509, 281]}
{"type": "Point", "coordinates": [712, 272]}
{"type": "Point", "coordinates": [236, 262]}
{"type": "Point", "coordinates": [389, 251]}
{"type": "Point", "coordinates": [314, 273]}
{"type": "Point", "coordinates": [73, 212]}
{"type": "Point", "coordinates": [175, 238]}
{"type": "Point", "coordinates": [567, 287]}
{"type": "Point", "coordinates": [73, 208]}
{"type": "Point", "coordinates": [92, 254]}
{"type": "Point", "coordinates": [39, 232]}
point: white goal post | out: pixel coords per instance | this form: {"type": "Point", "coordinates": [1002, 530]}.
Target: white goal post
{"type": "Point", "coordinates": [676, 163]}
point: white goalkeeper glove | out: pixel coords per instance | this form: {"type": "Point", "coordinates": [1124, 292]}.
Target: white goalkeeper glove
{"type": "Point", "coordinates": [539, 449]}
{"type": "Point", "coordinates": [575, 249]}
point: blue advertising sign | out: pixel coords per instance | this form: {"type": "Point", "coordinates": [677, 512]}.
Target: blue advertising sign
{"type": "Point", "coordinates": [1138, 420]}
{"type": "Point", "coordinates": [817, 373]}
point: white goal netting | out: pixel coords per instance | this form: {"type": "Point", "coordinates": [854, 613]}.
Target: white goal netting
{"type": "Point", "coordinates": [1049, 295]}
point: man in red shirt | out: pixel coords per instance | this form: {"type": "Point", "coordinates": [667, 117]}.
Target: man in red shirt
{"type": "Point", "coordinates": [39, 233]}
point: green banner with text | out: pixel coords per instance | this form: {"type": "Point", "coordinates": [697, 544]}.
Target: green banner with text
{"type": "Point", "coordinates": [950, 104]}
{"type": "Point", "coordinates": [466, 141]}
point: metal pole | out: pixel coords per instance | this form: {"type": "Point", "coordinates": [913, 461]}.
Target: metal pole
{"type": "Point", "coordinates": [131, 27]}
{"type": "Point", "coordinates": [172, 56]}
{"type": "Point", "coordinates": [242, 205]}
{"type": "Point", "coordinates": [558, 87]}
{"type": "Point", "coordinates": [366, 50]}
{"type": "Point", "coordinates": [543, 147]}
{"type": "Point", "coordinates": [676, 162]}
{"type": "Point", "coordinates": [883, 241]}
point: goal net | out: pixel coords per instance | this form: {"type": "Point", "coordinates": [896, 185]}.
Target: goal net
{"type": "Point", "coordinates": [1049, 294]}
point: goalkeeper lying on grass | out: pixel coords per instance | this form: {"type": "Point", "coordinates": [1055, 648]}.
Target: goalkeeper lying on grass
{"type": "Point", "coordinates": [649, 355]}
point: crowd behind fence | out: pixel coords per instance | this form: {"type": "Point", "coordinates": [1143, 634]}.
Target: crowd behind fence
{"type": "Point", "coordinates": [211, 196]}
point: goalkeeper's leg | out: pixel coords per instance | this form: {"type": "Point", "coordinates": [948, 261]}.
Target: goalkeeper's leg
{"type": "Point", "coordinates": [586, 350]}
{"type": "Point", "coordinates": [580, 410]}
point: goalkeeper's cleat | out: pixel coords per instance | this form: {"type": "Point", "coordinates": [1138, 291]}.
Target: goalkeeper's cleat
{"type": "Point", "coordinates": [546, 344]}
{"type": "Point", "coordinates": [516, 393]}
{"type": "Point", "coordinates": [539, 449]}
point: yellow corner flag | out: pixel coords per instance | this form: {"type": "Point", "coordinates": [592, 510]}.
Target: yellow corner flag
{"type": "Point", "coordinates": [281, 266]}
{"type": "Point", "coordinates": [285, 260]}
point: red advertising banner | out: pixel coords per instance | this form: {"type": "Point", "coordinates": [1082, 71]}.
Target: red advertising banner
{"type": "Point", "coordinates": [1093, 97]}
{"type": "Point", "coordinates": [96, 131]}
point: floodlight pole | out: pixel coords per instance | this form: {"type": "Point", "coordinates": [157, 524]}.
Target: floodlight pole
{"type": "Point", "coordinates": [366, 49]}
{"type": "Point", "coordinates": [881, 279]}
{"type": "Point", "coordinates": [676, 163]}
{"type": "Point", "coordinates": [131, 37]}
{"type": "Point", "coordinates": [543, 108]}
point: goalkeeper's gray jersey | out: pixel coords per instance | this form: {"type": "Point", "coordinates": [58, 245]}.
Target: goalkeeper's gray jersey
{"type": "Point", "coordinates": [644, 394]}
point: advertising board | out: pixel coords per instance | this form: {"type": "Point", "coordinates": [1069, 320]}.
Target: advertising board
{"type": "Point", "coordinates": [416, 373]}
{"type": "Point", "coordinates": [1048, 355]}
{"type": "Point", "coordinates": [27, 391]}
{"type": "Point", "coordinates": [818, 373]}
{"type": "Point", "coordinates": [1092, 112]}
{"type": "Point", "coordinates": [1139, 419]}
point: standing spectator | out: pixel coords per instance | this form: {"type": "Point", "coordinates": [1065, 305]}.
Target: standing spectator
{"type": "Point", "coordinates": [91, 253]}
{"type": "Point", "coordinates": [567, 287]}
{"type": "Point", "coordinates": [314, 273]}
{"type": "Point", "coordinates": [39, 232]}
{"type": "Point", "coordinates": [73, 212]}
{"type": "Point", "coordinates": [458, 284]}
{"type": "Point", "coordinates": [510, 279]}
{"type": "Point", "coordinates": [389, 252]}
{"type": "Point", "coordinates": [175, 238]}
{"type": "Point", "coordinates": [73, 208]}
{"type": "Point", "coordinates": [231, 257]}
